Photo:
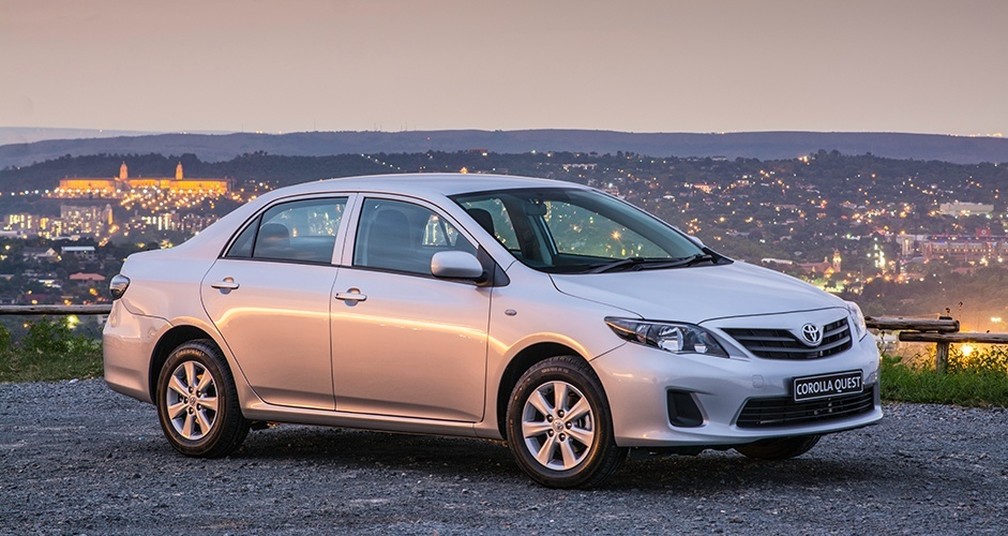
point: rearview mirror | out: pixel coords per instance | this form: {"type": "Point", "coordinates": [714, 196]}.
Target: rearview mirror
{"type": "Point", "coordinates": [456, 265]}
{"type": "Point", "coordinates": [535, 208]}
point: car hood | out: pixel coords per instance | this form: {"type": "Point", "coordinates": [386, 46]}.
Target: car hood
{"type": "Point", "coordinates": [698, 293]}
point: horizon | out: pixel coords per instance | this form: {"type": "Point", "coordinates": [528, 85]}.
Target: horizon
{"type": "Point", "coordinates": [23, 146]}
{"type": "Point", "coordinates": [585, 129]}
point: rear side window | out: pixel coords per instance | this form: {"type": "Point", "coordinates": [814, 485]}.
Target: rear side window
{"type": "Point", "coordinates": [242, 247]}
{"type": "Point", "coordinates": [301, 231]}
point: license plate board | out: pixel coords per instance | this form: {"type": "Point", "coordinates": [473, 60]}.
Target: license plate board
{"type": "Point", "coordinates": [827, 385]}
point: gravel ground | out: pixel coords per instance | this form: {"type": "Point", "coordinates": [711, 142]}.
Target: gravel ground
{"type": "Point", "coordinates": [77, 458]}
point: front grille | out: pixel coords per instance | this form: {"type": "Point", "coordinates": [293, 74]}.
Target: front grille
{"type": "Point", "coordinates": [774, 412]}
{"type": "Point", "coordinates": [782, 344]}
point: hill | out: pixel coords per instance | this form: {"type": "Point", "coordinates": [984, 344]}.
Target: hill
{"type": "Point", "coordinates": [761, 145]}
{"type": "Point", "coordinates": [20, 135]}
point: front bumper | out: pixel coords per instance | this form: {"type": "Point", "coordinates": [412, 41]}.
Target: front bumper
{"type": "Point", "coordinates": [637, 381]}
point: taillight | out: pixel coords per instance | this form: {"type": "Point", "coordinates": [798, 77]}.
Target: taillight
{"type": "Point", "coordinates": [118, 285]}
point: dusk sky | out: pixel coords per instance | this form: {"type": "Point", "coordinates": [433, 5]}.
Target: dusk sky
{"type": "Point", "coordinates": [668, 66]}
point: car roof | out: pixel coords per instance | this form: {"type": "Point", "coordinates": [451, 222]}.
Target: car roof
{"type": "Point", "coordinates": [421, 185]}
{"type": "Point", "coordinates": [425, 184]}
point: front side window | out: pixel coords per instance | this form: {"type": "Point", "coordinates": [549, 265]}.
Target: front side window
{"type": "Point", "coordinates": [493, 216]}
{"type": "Point", "coordinates": [567, 230]}
{"type": "Point", "coordinates": [302, 231]}
{"type": "Point", "coordinates": [402, 237]}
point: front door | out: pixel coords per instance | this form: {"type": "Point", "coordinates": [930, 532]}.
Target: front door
{"type": "Point", "coordinates": [403, 342]}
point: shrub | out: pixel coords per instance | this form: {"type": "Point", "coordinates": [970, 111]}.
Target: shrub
{"type": "Point", "coordinates": [48, 337]}
{"type": "Point", "coordinates": [986, 357]}
{"type": "Point", "coordinates": [967, 384]}
{"type": "Point", "coordinates": [5, 338]}
{"type": "Point", "coordinates": [50, 350]}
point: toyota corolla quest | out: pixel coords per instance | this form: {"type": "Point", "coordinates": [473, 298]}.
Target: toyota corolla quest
{"type": "Point", "coordinates": [549, 314]}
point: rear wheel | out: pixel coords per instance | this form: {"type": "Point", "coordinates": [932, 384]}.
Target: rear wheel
{"type": "Point", "coordinates": [779, 449]}
{"type": "Point", "coordinates": [559, 425]}
{"type": "Point", "coordinates": [197, 402]}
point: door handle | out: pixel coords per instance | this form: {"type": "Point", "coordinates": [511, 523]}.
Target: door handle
{"type": "Point", "coordinates": [227, 284]}
{"type": "Point", "coordinates": [351, 295]}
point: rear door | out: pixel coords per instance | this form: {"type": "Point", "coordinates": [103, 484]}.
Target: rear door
{"type": "Point", "coordinates": [269, 296]}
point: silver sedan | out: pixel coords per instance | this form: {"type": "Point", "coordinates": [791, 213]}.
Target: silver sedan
{"type": "Point", "coordinates": [551, 315]}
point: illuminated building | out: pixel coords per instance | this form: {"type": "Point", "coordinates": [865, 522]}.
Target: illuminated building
{"type": "Point", "coordinates": [980, 248]}
{"type": "Point", "coordinates": [84, 186]}
{"type": "Point", "coordinates": [24, 222]}
{"type": "Point", "coordinates": [964, 249]}
{"type": "Point", "coordinates": [79, 252]}
{"type": "Point", "coordinates": [83, 277]}
{"type": "Point", "coordinates": [958, 208]}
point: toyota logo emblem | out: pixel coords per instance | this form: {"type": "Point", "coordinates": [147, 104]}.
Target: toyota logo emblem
{"type": "Point", "coordinates": [812, 334]}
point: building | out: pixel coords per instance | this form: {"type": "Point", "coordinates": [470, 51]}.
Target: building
{"type": "Point", "coordinates": [87, 213]}
{"type": "Point", "coordinates": [86, 277]}
{"type": "Point", "coordinates": [980, 248]}
{"type": "Point", "coordinates": [826, 268]}
{"type": "Point", "coordinates": [78, 252]}
{"type": "Point", "coordinates": [89, 186]}
{"type": "Point", "coordinates": [910, 244]}
{"type": "Point", "coordinates": [23, 222]}
{"type": "Point", "coordinates": [41, 254]}
{"type": "Point", "coordinates": [86, 220]}
{"type": "Point", "coordinates": [959, 208]}
{"type": "Point", "coordinates": [964, 249]}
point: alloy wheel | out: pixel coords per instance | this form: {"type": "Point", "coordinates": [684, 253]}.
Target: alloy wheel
{"type": "Point", "coordinates": [191, 400]}
{"type": "Point", "coordinates": [558, 425]}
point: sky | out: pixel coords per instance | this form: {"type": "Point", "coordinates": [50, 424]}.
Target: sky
{"type": "Point", "coordinates": [641, 66]}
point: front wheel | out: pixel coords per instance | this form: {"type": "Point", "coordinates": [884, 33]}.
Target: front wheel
{"type": "Point", "coordinates": [197, 402]}
{"type": "Point", "coordinates": [779, 449]}
{"type": "Point", "coordinates": [559, 426]}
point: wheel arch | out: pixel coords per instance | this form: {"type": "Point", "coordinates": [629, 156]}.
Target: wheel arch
{"type": "Point", "coordinates": [169, 341]}
{"type": "Point", "coordinates": [521, 362]}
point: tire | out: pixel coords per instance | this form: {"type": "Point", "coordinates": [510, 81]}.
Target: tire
{"type": "Point", "coordinates": [197, 402]}
{"type": "Point", "coordinates": [555, 446]}
{"type": "Point", "coordinates": [779, 449]}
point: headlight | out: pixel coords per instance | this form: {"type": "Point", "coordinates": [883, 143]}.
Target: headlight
{"type": "Point", "coordinates": [674, 337]}
{"type": "Point", "coordinates": [857, 318]}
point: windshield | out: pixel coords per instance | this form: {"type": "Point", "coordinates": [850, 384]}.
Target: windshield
{"type": "Point", "coordinates": [561, 230]}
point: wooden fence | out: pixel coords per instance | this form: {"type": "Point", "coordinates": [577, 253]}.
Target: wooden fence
{"type": "Point", "coordinates": [942, 331]}
{"type": "Point", "coordinates": [29, 310]}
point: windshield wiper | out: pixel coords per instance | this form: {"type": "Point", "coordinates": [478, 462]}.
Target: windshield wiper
{"type": "Point", "coordinates": [643, 263]}
{"type": "Point", "coordinates": [626, 263]}
{"type": "Point", "coordinates": [691, 260]}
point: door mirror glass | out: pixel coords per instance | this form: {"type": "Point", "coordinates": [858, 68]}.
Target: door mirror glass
{"type": "Point", "coordinates": [456, 265]}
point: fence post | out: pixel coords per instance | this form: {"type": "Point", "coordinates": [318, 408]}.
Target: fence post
{"type": "Point", "coordinates": [941, 356]}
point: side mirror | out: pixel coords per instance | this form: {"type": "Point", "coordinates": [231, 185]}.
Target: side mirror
{"type": "Point", "coordinates": [696, 241]}
{"type": "Point", "coordinates": [456, 265]}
